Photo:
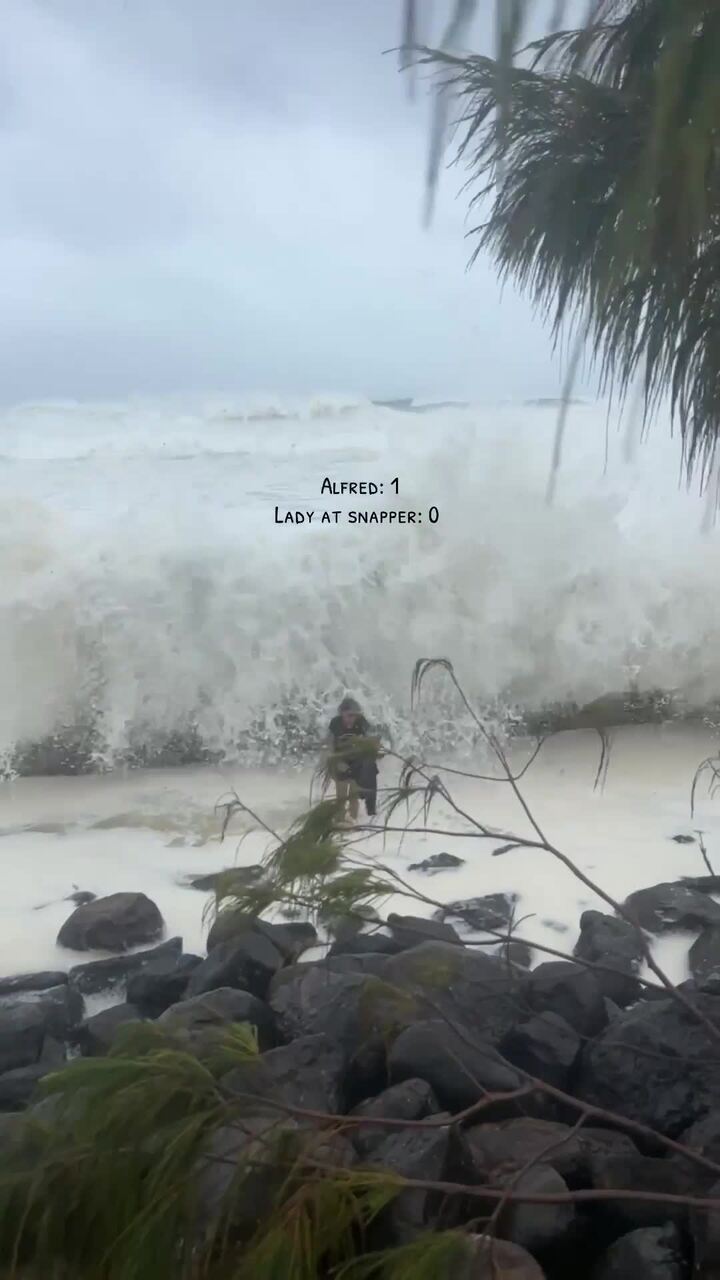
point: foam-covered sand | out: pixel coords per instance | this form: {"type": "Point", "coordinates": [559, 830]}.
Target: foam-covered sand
{"type": "Point", "coordinates": [149, 830]}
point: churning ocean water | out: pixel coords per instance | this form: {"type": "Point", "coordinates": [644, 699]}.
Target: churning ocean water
{"type": "Point", "coordinates": [153, 610]}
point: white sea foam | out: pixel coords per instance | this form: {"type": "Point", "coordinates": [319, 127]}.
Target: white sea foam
{"type": "Point", "coordinates": [147, 590]}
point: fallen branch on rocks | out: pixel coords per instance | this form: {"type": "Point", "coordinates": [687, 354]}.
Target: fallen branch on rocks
{"type": "Point", "coordinates": [406, 1109]}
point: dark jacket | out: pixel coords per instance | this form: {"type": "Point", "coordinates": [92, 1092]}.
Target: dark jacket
{"type": "Point", "coordinates": [361, 766]}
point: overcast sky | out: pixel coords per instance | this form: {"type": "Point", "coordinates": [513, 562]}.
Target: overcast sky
{"type": "Point", "coordinates": [226, 194]}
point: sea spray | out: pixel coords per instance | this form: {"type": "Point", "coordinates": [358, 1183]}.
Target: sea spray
{"type": "Point", "coordinates": [152, 613]}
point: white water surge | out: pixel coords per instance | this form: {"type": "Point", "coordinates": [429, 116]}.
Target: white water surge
{"type": "Point", "coordinates": [148, 596]}
{"type": "Point", "coordinates": [150, 604]}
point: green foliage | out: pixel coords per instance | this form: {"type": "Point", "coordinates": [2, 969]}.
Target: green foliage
{"type": "Point", "coordinates": [447, 1253]}
{"type": "Point", "coordinates": [600, 157]}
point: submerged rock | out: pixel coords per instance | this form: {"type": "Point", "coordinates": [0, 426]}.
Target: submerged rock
{"type": "Point", "coordinates": [412, 931]}
{"type": "Point", "coordinates": [493, 911]}
{"type": "Point", "coordinates": [437, 862]}
{"type": "Point", "coordinates": [115, 923]}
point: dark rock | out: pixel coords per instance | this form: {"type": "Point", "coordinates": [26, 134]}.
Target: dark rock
{"type": "Point", "coordinates": [683, 839]}
{"type": "Point", "coordinates": [613, 944]}
{"type": "Point", "coordinates": [366, 944]}
{"type": "Point", "coordinates": [411, 931]}
{"type": "Point", "coordinates": [115, 923]}
{"type": "Point", "coordinates": [471, 990]}
{"type": "Point", "coordinates": [536, 1227]}
{"type": "Point", "coordinates": [545, 1046]}
{"type": "Point", "coordinates": [18, 1087]}
{"type": "Point", "coordinates": [665, 907]}
{"type": "Point", "coordinates": [655, 1064]}
{"type": "Point", "coordinates": [437, 862]}
{"type": "Point", "coordinates": [650, 1253]}
{"type": "Point", "coordinates": [567, 989]}
{"type": "Point", "coordinates": [371, 963]}
{"type": "Point", "coordinates": [705, 1232]}
{"type": "Point", "coordinates": [23, 1032]}
{"type": "Point", "coordinates": [493, 1259]}
{"type": "Point", "coordinates": [705, 956]}
{"type": "Point", "coordinates": [515, 952]}
{"type": "Point", "coordinates": [509, 1145]}
{"type": "Point", "coordinates": [312, 999]}
{"type": "Point", "coordinates": [432, 1155]}
{"type": "Point", "coordinates": [96, 1036]}
{"type": "Point", "coordinates": [62, 1008]}
{"type": "Point", "coordinates": [703, 1138]}
{"type": "Point", "coordinates": [412, 1099]}
{"type": "Point", "coordinates": [231, 876]}
{"type": "Point", "coordinates": [31, 982]}
{"type": "Point", "coordinates": [161, 983]}
{"type": "Point", "coordinates": [494, 911]}
{"type": "Point", "coordinates": [612, 1172]}
{"type": "Point", "coordinates": [248, 962]}
{"type": "Point", "coordinates": [307, 1074]}
{"type": "Point", "coordinates": [103, 975]}
{"type": "Point", "coordinates": [81, 897]}
{"type": "Point", "coordinates": [302, 935]}
{"type": "Point", "coordinates": [232, 924]}
{"type": "Point", "coordinates": [459, 1069]}
{"type": "Point", "coordinates": [221, 1008]}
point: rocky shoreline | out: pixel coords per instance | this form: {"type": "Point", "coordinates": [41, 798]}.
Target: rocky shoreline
{"type": "Point", "coordinates": [570, 1112]}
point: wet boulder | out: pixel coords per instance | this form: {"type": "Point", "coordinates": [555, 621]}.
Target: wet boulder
{"type": "Point", "coordinates": [307, 1074]}
{"type": "Point", "coordinates": [617, 948]}
{"type": "Point", "coordinates": [459, 1068]}
{"type": "Point", "coordinates": [570, 991]}
{"type": "Point", "coordinates": [19, 1087]}
{"type": "Point", "coordinates": [218, 1009]}
{"type": "Point", "coordinates": [249, 962]}
{"type": "Point", "coordinates": [366, 944]}
{"type": "Point", "coordinates": [23, 982]}
{"type": "Point", "coordinates": [97, 1035]}
{"type": "Point", "coordinates": [667, 907]}
{"type": "Point", "coordinates": [490, 1259]}
{"type": "Point", "coordinates": [545, 1046]}
{"type": "Point", "coordinates": [114, 923]}
{"type": "Point", "coordinates": [494, 911]}
{"type": "Point", "coordinates": [437, 862]}
{"type": "Point", "coordinates": [655, 1064]}
{"type": "Point", "coordinates": [650, 1253]}
{"type": "Point", "coordinates": [412, 1099]}
{"type": "Point", "coordinates": [704, 956]}
{"type": "Point", "coordinates": [435, 1154]}
{"type": "Point", "coordinates": [161, 983]}
{"type": "Point", "coordinates": [113, 973]}
{"type": "Point", "coordinates": [26, 1028]}
{"type": "Point", "coordinates": [232, 924]}
{"type": "Point", "coordinates": [472, 991]}
{"type": "Point", "coordinates": [536, 1227]}
{"type": "Point", "coordinates": [412, 931]}
{"type": "Point", "coordinates": [509, 1145]}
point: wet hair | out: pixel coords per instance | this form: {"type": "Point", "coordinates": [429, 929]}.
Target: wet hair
{"type": "Point", "coordinates": [349, 704]}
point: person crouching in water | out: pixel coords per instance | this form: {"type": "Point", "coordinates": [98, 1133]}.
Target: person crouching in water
{"type": "Point", "coordinates": [353, 769]}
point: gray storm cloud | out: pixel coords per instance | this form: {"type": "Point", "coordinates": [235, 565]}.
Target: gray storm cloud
{"type": "Point", "coordinates": [228, 196]}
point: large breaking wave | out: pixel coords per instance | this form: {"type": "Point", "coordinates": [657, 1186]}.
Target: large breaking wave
{"type": "Point", "coordinates": [152, 611]}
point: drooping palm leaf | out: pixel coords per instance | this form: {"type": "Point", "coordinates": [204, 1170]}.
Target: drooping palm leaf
{"type": "Point", "coordinates": [600, 194]}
